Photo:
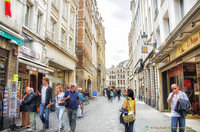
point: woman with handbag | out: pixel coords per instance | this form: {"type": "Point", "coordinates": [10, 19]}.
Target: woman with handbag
{"type": "Point", "coordinates": [129, 105]}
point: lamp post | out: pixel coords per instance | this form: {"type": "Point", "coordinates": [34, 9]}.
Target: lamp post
{"type": "Point", "coordinates": [144, 37]}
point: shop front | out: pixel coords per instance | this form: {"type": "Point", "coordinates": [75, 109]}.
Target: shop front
{"type": "Point", "coordinates": [9, 44]}
{"type": "Point", "coordinates": [32, 64]}
{"type": "Point", "coordinates": [183, 69]}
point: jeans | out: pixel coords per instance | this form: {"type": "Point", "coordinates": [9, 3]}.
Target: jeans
{"type": "Point", "coordinates": [46, 111]}
{"type": "Point", "coordinates": [86, 100]}
{"type": "Point", "coordinates": [72, 114]}
{"type": "Point", "coordinates": [129, 126]}
{"type": "Point", "coordinates": [32, 120]}
{"type": "Point", "coordinates": [174, 124]}
{"type": "Point", "coordinates": [60, 112]}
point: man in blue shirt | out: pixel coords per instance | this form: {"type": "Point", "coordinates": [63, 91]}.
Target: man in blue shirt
{"type": "Point", "coordinates": [175, 96]}
{"type": "Point", "coordinates": [73, 102]}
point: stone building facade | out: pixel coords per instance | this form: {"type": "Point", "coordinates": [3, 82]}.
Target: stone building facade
{"type": "Point", "coordinates": [60, 39]}
{"type": "Point", "coordinates": [90, 48]}
{"type": "Point", "coordinates": [10, 42]}
{"type": "Point", "coordinates": [119, 76]}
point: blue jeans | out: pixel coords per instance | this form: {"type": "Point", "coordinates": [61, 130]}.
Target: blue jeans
{"type": "Point", "coordinates": [60, 112]}
{"type": "Point", "coordinates": [44, 111]}
{"type": "Point", "coordinates": [174, 124]}
{"type": "Point", "coordinates": [129, 126]}
{"type": "Point", "coordinates": [72, 114]}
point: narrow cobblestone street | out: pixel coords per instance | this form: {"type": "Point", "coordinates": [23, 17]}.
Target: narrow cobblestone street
{"type": "Point", "coordinates": [102, 115]}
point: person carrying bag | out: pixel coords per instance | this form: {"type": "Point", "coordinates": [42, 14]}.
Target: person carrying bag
{"type": "Point", "coordinates": [128, 111]}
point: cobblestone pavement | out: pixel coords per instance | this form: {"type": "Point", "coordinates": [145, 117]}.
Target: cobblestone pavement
{"type": "Point", "coordinates": [102, 115]}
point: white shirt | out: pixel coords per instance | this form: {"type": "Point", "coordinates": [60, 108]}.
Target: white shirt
{"type": "Point", "coordinates": [59, 98]}
{"type": "Point", "coordinates": [43, 94]}
{"type": "Point", "coordinates": [181, 95]}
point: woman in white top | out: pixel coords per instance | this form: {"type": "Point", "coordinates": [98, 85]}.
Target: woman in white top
{"type": "Point", "coordinates": [59, 105]}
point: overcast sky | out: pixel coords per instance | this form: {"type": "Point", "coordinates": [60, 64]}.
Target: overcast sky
{"type": "Point", "coordinates": [117, 20]}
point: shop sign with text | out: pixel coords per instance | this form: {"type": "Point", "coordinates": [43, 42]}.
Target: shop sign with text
{"type": "Point", "coordinates": [190, 43]}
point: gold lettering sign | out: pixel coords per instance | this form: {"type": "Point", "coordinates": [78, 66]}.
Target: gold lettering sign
{"type": "Point", "coordinates": [191, 42]}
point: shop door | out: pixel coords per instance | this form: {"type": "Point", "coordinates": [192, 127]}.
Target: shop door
{"type": "Point", "coordinates": [172, 80]}
{"type": "Point", "coordinates": [40, 76]}
{"type": "Point", "coordinates": [33, 81]}
{"type": "Point", "coordinates": [165, 90]}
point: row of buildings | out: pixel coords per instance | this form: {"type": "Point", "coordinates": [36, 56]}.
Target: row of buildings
{"type": "Point", "coordinates": [60, 39]}
{"type": "Point", "coordinates": [118, 76]}
{"type": "Point", "coordinates": [164, 48]}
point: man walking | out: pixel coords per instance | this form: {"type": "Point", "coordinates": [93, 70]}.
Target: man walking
{"type": "Point", "coordinates": [73, 101]}
{"type": "Point", "coordinates": [119, 94]}
{"type": "Point", "coordinates": [46, 96]}
{"type": "Point", "coordinates": [176, 118]}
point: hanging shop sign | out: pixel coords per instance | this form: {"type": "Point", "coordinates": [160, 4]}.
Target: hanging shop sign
{"type": "Point", "coordinates": [190, 43]}
{"type": "Point", "coordinates": [144, 50]}
{"type": "Point", "coordinates": [15, 77]}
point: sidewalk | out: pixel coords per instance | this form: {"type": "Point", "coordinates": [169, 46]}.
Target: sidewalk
{"type": "Point", "coordinates": [193, 123]}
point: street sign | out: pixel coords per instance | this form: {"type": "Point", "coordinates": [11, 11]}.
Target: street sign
{"type": "Point", "coordinates": [94, 94]}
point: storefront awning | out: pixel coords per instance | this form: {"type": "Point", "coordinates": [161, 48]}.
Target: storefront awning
{"type": "Point", "coordinates": [7, 33]}
{"type": "Point", "coordinates": [39, 67]}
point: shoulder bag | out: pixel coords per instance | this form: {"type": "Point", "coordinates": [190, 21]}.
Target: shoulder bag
{"type": "Point", "coordinates": [130, 117]}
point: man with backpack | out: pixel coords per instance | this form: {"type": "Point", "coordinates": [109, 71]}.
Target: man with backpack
{"type": "Point", "coordinates": [72, 102]}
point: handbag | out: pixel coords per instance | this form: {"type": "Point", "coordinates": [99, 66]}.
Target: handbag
{"type": "Point", "coordinates": [130, 117]}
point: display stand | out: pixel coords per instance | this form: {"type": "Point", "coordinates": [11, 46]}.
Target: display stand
{"type": "Point", "coordinates": [14, 102]}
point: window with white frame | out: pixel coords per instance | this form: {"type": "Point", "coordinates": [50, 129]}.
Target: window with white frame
{"type": "Point", "coordinates": [52, 27]}
{"type": "Point", "coordinates": [72, 17]}
{"type": "Point", "coordinates": [182, 8]}
{"type": "Point", "coordinates": [55, 2]}
{"type": "Point", "coordinates": [62, 38]}
{"type": "Point", "coordinates": [64, 10]}
{"type": "Point", "coordinates": [38, 26]}
{"type": "Point", "coordinates": [27, 15]}
{"type": "Point", "coordinates": [70, 44]}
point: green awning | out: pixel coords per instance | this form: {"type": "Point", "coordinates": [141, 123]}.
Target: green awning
{"type": "Point", "coordinates": [9, 36]}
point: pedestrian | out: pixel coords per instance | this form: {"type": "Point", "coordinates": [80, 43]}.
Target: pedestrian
{"type": "Point", "coordinates": [46, 97]}
{"type": "Point", "coordinates": [60, 105]}
{"type": "Point", "coordinates": [119, 94]}
{"type": "Point", "coordinates": [108, 93]}
{"type": "Point", "coordinates": [111, 95]}
{"type": "Point", "coordinates": [23, 109]}
{"type": "Point", "coordinates": [81, 97]}
{"type": "Point", "coordinates": [72, 106]}
{"type": "Point", "coordinates": [86, 94]}
{"type": "Point", "coordinates": [129, 104]}
{"type": "Point", "coordinates": [176, 118]}
{"type": "Point", "coordinates": [31, 103]}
